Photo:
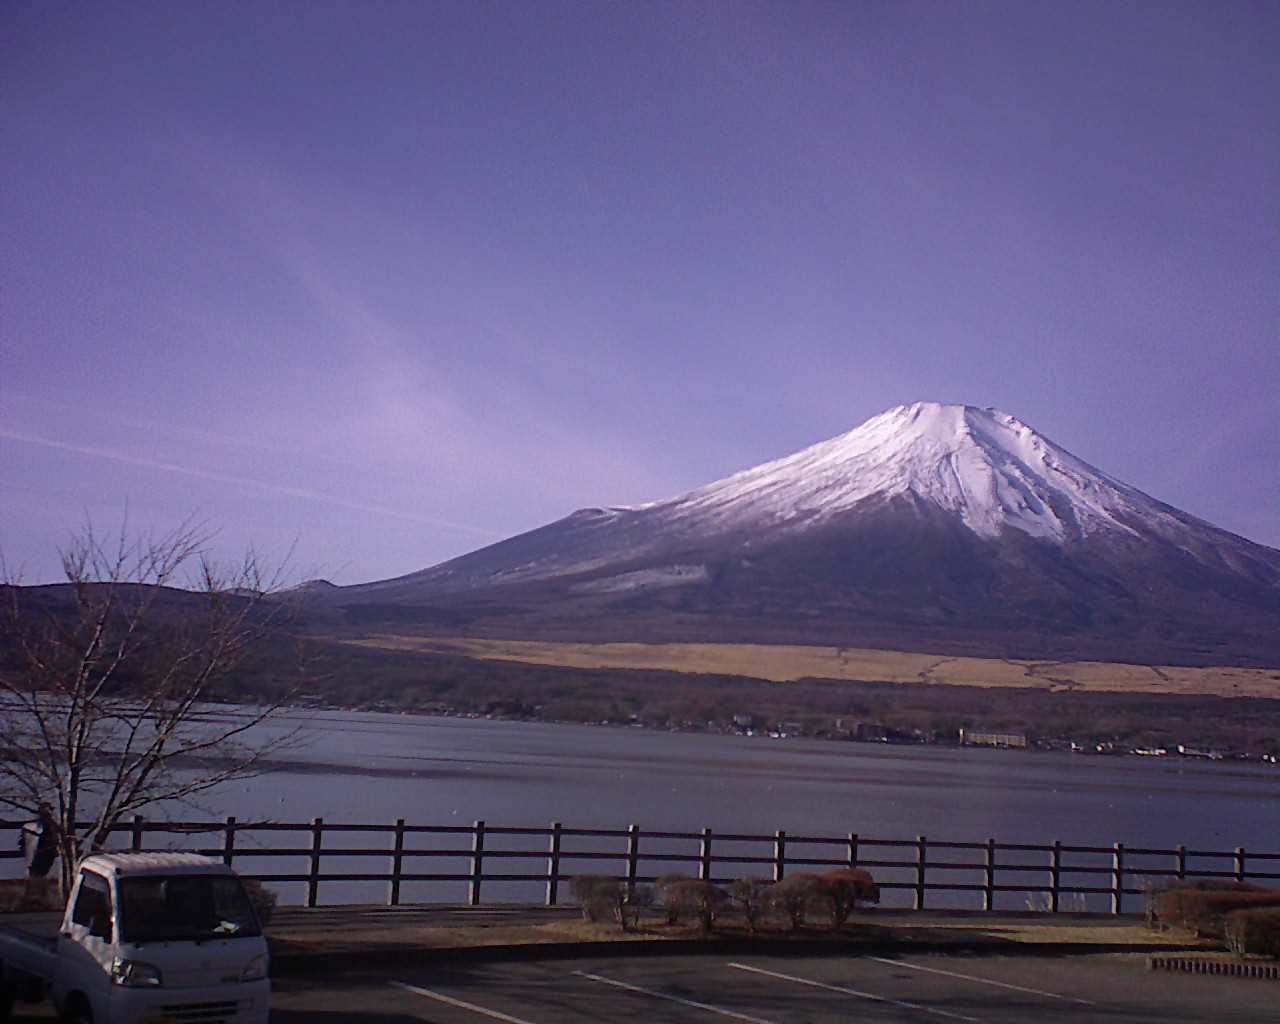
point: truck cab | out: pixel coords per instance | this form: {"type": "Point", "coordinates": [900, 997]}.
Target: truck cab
{"type": "Point", "coordinates": [155, 938]}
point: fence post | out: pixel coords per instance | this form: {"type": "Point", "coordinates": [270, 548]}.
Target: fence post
{"type": "Point", "coordinates": [989, 882]}
{"type": "Point", "coordinates": [313, 876]}
{"type": "Point", "coordinates": [1055, 876]}
{"type": "Point", "coordinates": [779, 855]}
{"type": "Point", "coordinates": [477, 863]}
{"type": "Point", "coordinates": [853, 849]}
{"type": "Point", "coordinates": [704, 856]}
{"type": "Point", "coordinates": [553, 865]}
{"type": "Point", "coordinates": [136, 845]}
{"type": "Point", "coordinates": [397, 864]}
{"type": "Point", "coordinates": [1180, 855]}
{"type": "Point", "coordinates": [229, 842]}
{"type": "Point", "coordinates": [921, 846]}
{"type": "Point", "coordinates": [1239, 863]}
{"type": "Point", "coordinates": [1117, 877]}
{"type": "Point", "coordinates": [633, 857]}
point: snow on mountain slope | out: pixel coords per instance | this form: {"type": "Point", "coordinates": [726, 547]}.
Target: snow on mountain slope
{"type": "Point", "coordinates": [984, 470]}
{"type": "Point", "coordinates": [989, 468]}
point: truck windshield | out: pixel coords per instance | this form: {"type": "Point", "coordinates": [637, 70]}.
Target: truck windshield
{"type": "Point", "coordinates": [185, 908]}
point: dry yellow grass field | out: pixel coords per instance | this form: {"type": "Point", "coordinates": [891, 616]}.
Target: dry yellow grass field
{"type": "Point", "coordinates": [780, 663]}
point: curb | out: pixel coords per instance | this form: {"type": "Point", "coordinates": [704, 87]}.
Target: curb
{"type": "Point", "coordinates": [1202, 965]}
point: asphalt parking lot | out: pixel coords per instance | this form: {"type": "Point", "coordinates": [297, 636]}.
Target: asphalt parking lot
{"type": "Point", "coordinates": [819, 989]}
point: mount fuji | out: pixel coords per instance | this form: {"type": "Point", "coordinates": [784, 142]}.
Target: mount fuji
{"type": "Point", "coordinates": [944, 528]}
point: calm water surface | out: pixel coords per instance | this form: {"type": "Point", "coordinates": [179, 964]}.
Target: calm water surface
{"type": "Point", "coordinates": [374, 768]}
{"type": "Point", "coordinates": [352, 766]}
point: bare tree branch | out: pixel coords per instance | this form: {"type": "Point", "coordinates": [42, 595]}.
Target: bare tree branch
{"type": "Point", "coordinates": [103, 680]}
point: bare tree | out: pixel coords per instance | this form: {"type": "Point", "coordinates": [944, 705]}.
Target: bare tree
{"type": "Point", "coordinates": [104, 680]}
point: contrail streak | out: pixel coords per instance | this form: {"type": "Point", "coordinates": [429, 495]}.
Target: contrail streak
{"type": "Point", "coordinates": [239, 481]}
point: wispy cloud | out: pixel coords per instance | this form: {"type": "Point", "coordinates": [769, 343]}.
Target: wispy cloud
{"type": "Point", "coordinates": [240, 481]}
{"type": "Point", "coordinates": [104, 413]}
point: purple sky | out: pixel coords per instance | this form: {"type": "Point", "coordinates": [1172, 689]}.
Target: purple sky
{"type": "Point", "coordinates": [395, 280]}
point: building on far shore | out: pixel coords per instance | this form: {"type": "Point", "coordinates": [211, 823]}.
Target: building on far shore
{"type": "Point", "coordinates": [985, 738]}
{"type": "Point", "coordinates": [1208, 755]}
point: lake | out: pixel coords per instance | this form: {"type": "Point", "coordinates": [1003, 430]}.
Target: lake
{"type": "Point", "coordinates": [374, 768]}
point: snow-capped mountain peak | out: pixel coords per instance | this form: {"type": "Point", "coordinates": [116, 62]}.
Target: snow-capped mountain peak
{"type": "Point", "coordinates": [984, 465]}
{"type": "Point", "coordinates": [939, 527]}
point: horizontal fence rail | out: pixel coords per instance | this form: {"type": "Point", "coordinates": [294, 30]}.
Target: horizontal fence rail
{"type": "Point", "coordinates": [513, 863]}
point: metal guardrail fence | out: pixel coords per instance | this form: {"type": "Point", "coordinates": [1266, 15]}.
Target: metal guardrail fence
{"type": "Point", "coordinates": [1059, 876]}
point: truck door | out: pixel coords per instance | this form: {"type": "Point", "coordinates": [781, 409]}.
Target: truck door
{"type": "Point", "coordinates": [85, 945]}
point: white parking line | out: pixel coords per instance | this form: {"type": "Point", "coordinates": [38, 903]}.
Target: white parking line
{"type": "Point", "coordinates": [732, 1015]}
{"type": "Point", "coordinates": [981, 981]}
{"type": "Point", "coordinates": [855, 992]}
{"type": "Point", "coordinates": [440, 997]}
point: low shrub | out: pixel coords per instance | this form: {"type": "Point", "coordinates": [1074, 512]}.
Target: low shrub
{"type": "Point", "coordinates": [603, 896]}
{"type": "Point", "coordinates": [1253, 931]}
{"type": "Point", "coordinates": [262, 898]}
{"type": "Point", "coordinates": [1156, 910]}
{"type": "Point", "coordinates": [752, 897]}
{"type": "Point", "coordinates": [30, 894]}
{"type": "Point", "coordinates": [634, 900]}
{"type": "Point", "coordinates": [844, 889]}
{"type": "Point", "coordinates": [1038, 902]}
{"type": "Point", "coordinates": [595, 895]}
{"type": "Point", "coordinates": [671, 906]}
{"type": "Point", "coordinates": [693, 897]}
{"type": "Point", "coordinates": [1203, 911]}
{"type": "Point", "coordinates": [794, 897]}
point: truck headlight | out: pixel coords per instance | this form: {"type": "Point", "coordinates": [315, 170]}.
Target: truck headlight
{"type": "Point", "coordinates": [256, 970]}
{"type": "Point", "coordinates": [135, 974]}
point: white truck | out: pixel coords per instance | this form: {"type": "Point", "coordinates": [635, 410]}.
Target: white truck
{"type": "Point", "coordinates": [146, 938]}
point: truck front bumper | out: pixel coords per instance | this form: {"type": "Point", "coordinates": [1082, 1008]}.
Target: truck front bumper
{"type": "Point", "coordinates": [247, 1003]}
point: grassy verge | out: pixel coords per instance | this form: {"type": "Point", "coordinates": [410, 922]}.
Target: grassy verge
{"type": "Point", "coordinates": [327, 941]}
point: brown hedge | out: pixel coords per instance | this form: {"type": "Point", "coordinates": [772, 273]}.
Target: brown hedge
{"type": "Point", "coordinates": [1255, 930]}
{"type": "Point", "coordinates": [29, 894]}
{"type": "Point", "coordinates": [692, 897]}
{"type": "Point", "coordinates": [1154, 893]}
{"type": "Point", "coordinates": [262, 898]}
{"type": "Point", "coordinates": [844, 889]}
{"type": "Point", "coordinates": [794, 896]}
{"type": "Point", "coordinates": [1203, 911]}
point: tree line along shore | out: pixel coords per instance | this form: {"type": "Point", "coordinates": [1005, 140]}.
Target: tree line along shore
{"type": "Point", "coordinates": [356, 678]}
